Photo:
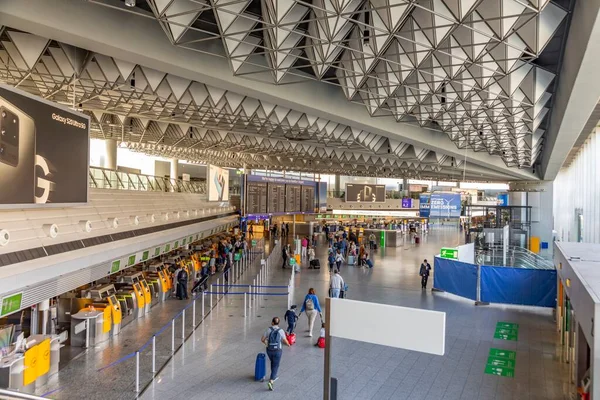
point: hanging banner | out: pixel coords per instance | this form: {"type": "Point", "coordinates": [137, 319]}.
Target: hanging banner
{"type": "Point", "coordinates": [44, 151]}
{"type": "Point", "coordinates": [424, 205]}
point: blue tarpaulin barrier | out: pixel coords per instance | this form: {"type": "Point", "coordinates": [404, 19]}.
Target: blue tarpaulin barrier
{"type": "Point", "coordinates": [531, 287]}
{"type": "Point", "coordinates": [455, 277]}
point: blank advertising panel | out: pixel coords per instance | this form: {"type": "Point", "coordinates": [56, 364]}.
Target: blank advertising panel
{"type": "Point", "coordinates": [44, 151]}
{"type": "Point", "coordinates": [308, 199]}
{"type": "Point", "coordinates": [292, 198]}
{"type": "Point", "coordinates": [256, 198]}
{"type": "Point", "coordinates": [365, 193]}
{"type": "Point", "coordinates": [276, 198]}
{"type": "Point", "coordinates": [387, 325]}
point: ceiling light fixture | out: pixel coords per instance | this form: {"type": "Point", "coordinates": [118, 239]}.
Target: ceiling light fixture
{"type": "Point", "coordinates": [130, 3]}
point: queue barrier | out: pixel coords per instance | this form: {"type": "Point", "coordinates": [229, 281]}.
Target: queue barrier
{"type": "Point", "coordinates": [493, 284]}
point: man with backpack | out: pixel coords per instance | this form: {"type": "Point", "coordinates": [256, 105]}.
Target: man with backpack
{"type": "Point", "coordinates": [331, 260]}
{"type": "Point", "coordinates": [272, 338]}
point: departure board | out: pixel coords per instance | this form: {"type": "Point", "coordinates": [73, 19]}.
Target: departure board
{"type": "Point", "coordinates": [276, 198]}
{"type": "Point", "coordinates": [292, 198]}
{"type": "Point", "coordinates": [256, 198]}
{"type": "Point", "coordinates": [308, 199]}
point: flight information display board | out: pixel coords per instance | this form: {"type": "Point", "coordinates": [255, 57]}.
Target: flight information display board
{"type": "Point", "coordinates": [256, 198]}
{"type": "Point", "coordinates": [276, 198]}
{"type": "Point", "coordinates": [308, 199]}
{"type": "Point", "coordinates": [292, 198]}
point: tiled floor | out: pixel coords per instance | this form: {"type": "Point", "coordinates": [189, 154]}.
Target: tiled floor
{"type": "Point", "coordinates": [217, 361]}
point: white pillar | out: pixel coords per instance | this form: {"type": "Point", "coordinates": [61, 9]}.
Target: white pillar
{"type": "Point", "coordinates": [110, 162]}
{"type": "Point", "coordinates": [174, 171]}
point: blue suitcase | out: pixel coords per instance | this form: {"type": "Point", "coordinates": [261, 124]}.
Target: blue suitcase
{"type": "Point", "coordinates": [370, 263]}
{"type": "Point", "coordinates": [260, 369]}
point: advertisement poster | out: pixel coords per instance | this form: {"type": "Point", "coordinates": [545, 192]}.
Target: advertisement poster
{"type": "Point", "coordinates": [322, 196]}
{"type": "Point", "coordinates": [44, 151]}
{"type": "Point", "coordinates": [218, 183]}
{"type": "Point", "coordinates": [363, 193]}
{"type": "Point", "coordinates": [445, 205]}
{"type": "Point", "coordinates": [424, 205]}
{"type": "Point", "coordinates": [406, 203]}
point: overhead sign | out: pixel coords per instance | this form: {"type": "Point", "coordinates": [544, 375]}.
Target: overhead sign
{"type": "Point", "coordinates": [365, 193]}
{"type": "Point", "coordinates": [407, 203]}
{"type": "Point", "coordinates": [218, 183]}
{"type": "Point", "coordinates": [43, 151]}
{"type": "Point", "coordinates": [406, 328]}
{"type": "Point", "coordinates": [449, 253]}
{"type": "Point", "coordinates": [375, 213]}
{"type": "Point", "coordinates": [11, 304]}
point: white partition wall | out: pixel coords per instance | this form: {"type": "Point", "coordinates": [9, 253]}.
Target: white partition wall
{"type": "Point", "coordinates": [577, 195]}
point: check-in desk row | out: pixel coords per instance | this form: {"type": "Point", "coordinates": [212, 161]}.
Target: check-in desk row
{"type": "Point", "coordinates": [30, 366]}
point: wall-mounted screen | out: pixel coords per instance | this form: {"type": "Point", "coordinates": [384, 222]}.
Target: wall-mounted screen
{"type": "Point", "coordinates": [256, 198]}
{"type": "Point", "coordinates": [276, 198]}
{"type": "Point", "coordinates": [292, 198]}
{"type": "Point", "coordinates": [218, 183]}
{"type": "Point", "coordinates": [365, 193]}
{"type": "Point", "coordinates": [308, 199]}
{"type": "Point", "coordinates": [44, 151]}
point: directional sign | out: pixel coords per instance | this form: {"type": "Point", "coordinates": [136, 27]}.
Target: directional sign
{"type": "Point", "coordinates": [507, 325]}
{"type": "Point", "coordinates": [500, 371]}
{"type": "Point", "coordinates": [506, 334]}
{"type": "Point", "coordinates": [253, 243]}
{"type": "Point", "coordinates": [500, 353]}
{"type": "Point", "coordinates": [449, 253]}
{"type": "Point", "coordinates": [11, 303]}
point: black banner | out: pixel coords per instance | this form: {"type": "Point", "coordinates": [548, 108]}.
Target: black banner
{"type": "Point", "coordinates": [44, 151]}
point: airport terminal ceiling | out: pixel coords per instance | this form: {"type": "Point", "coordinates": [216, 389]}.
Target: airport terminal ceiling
{"type": "Point", "coordinates": [481, 72]}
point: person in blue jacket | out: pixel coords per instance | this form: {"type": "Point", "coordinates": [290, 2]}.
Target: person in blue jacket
{"type": "Point", "coordinates": [311, 306]}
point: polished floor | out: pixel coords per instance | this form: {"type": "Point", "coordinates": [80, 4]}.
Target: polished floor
{"type": "Point", "coordinates": [217, 362]}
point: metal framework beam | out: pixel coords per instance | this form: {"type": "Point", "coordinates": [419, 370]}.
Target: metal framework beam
{"type": "Point", "coordinates": [141, 40]}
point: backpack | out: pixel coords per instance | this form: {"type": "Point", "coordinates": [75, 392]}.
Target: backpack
{"type": "Point", "coordinates": [309, 305]}
{"type": "Point", "coordinates": [331, 259]}
{"type": "Point", "coordinates": [274, 340]}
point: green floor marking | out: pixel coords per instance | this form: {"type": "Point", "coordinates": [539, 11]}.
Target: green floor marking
{"type": "Point", "coordinates": [507, 325]}
{"type": "Point", "coordinates": [501, 362]}
{"type": "Point", "coordinates": [506, 334]}
{"type": "Point", "coordinates": [500, 353]}
{"type": "Point", "coordinates": [500, 371]}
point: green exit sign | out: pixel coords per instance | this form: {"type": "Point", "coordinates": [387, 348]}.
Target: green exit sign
{"type": "Point", "coordinates": [131, 260]}
{"type": "Point", "coordinates": [145, 255]}
{"type": "Point", "coordinates": [449, 253]}
{"type": "Point", "coordinates": [254, 243]}
{"type": "Point", "coordinates": [11, 304]}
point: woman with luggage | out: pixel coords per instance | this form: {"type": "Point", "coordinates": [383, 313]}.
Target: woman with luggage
{"type": "Point", "coordinates": [311, 306]}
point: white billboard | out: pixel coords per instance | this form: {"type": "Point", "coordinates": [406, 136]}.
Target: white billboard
{"type": "Point", "coordinates": [218, 183]}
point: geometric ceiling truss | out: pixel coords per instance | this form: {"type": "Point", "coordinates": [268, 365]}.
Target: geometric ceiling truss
{"type": "Point", "coordinates": [465, 67]}
{"type": "Point", "coordinates": [166, 115]}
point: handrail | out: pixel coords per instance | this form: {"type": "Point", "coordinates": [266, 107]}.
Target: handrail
{"type": "Point", "coordinates": [518, 257]}
{"type": "Point", "coordinates": [103, 178]}
{"type": "Point", "coordinates": [10, 394]}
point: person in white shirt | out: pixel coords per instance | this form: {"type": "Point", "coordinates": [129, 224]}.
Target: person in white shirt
{"type": "Point", "coordinates": [336, 284]}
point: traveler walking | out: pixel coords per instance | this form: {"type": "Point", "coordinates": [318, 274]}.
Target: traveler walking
{"type": "Point", "coordinates": [339, 258]}
{"type": "Point", "coordinates": [372, 241]}
{"type": "Point", "coordinates": [304, 244]}
{"type": "Point", "coordinates": [336, 284]}
{"type": "Point", "coordinates": [311, 253]}
{"type": "Point", "coordinates": [311, 306]}
{"type": "Point", "coordinates": [331, 259]}
{"type": "Point", "coordinates": [251, 231]}
{"type": "Point", "coordinates": [176, 282]}
{"type": "Point", "coordinates": [424, 273]}
{"type": "Point", "coordinates": [272, 338]}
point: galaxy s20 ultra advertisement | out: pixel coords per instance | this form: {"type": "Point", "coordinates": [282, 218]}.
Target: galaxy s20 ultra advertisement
{"type": "Point", "coordinates": [43, 151]}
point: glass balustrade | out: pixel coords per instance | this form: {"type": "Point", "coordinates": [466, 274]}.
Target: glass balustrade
{"type": "Point", "coordinates": [102, 178]}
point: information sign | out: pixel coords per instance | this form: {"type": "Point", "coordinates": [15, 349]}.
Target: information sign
{"type": "Point", "coordinates": [11, 304]}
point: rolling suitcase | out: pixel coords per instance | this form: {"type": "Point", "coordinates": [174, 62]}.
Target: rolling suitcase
{"type": "Point", "coordinates": [316, 264]}
{"type": "Point", "coordinates": [369, 263]}
{"type": "Point", "coordinates": [260, 368]}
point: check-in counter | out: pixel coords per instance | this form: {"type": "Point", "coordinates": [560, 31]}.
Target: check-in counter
{"type": "Point", "coordinates": [393, 238]}
{"type": "Point", "coordinates": [88, 327]}
{"type": "Point", "coordinates": [24, 372]}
